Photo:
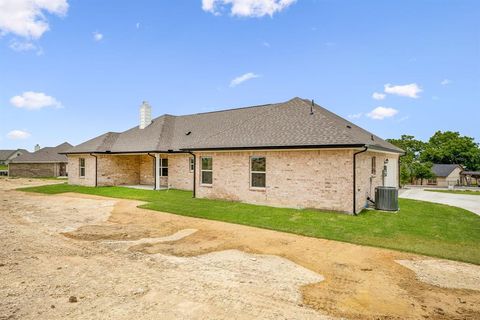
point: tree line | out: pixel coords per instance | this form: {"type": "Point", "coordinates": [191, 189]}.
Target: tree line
{"type": "Point", "coordinates": [443, 147]}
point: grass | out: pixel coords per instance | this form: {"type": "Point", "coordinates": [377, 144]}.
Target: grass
{"type": "Point", "coordinates": [3, 167]}
{"type": "Point", "coordinates": [420, 227]}
{"type": "Point", "coordinates": [470, 192]}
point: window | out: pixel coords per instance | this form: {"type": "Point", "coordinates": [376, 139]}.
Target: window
{"type": "Point", "coordinates": [374, 165]}
{"type": "Point", "coordinates": [207, 173]}
{"type": "Point", "coordinates": [163, 167]}
{"type": "Point", "coordinates": [258, 166]}
{"type": "Point", "coordinates": [81, 170]}
{"type": "Point", "coordinates": [191, 164]}
{"type": "Point", "coordinates": [432, 181]}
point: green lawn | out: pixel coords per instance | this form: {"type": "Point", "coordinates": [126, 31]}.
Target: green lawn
{"type": "Point", "coordinates": [420, 227]}
{"type": "Point", "coordinates": [3, 167]}
{"type": "Point", "coordinates": [470, 192]}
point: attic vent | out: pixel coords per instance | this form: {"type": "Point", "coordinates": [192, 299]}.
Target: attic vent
{"type": "Point", "coordinates": [372, 137]}
{"type": "Point", "coordinates": [349, 127]}
{"type": "Point", "coordinates": [188, 133]}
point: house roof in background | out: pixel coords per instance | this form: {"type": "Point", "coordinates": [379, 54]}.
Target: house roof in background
{"type": "Point", "coordinates": [5, 154]}
{"type": "Point", "coordinates": [47, 154]}
{"type": "Point", "coordinates": [443, 170]}
{"type": "Point", "coordinates": [286, 124]}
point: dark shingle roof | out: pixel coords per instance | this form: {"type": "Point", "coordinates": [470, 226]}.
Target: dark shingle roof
{"type": "Point", "coordinates": [5, 154]}
{"type": "Point", "coordinates": [443, 170]}
{"type": "Point", "coordinates": [47, 154]}
{"type": "Point", "coordinates": [286, 124]}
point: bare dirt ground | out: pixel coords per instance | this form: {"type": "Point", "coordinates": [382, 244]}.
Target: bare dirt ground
{"type": "Point", "coordinates": [121, 262]}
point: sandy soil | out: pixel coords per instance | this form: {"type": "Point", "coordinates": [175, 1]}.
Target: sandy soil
{"type": "Point", "coordinates": [121, 262]}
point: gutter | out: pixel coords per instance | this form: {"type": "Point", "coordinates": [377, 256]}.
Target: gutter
{"type": "Point", "coordinates": [154, 171]}
{"type": "Point", "coordinates": [194, 173]}
{"type": "Point", "coordinates": [355, 177]}
{"type": "Point", "coordinates": [96, 166]}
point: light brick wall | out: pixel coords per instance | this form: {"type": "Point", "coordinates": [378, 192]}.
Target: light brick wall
{"type": "Point", "coordinates": [366, 182]}
{"type": "Point", "coordinates": [74, 167]}
{"type": "Point", "coordinates": [146, 170]}
{"type": "Point", "coordinates": [302, 179]}
{"type": "Point", "coordinates": [113, 170]}
{"type": "Point", "coordinates": [179, 175]}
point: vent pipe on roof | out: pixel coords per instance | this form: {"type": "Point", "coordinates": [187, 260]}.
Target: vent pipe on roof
{"type": "Point", "coordinates": [311, 107]}
{"type": "Point", "coordinates": [145, 115]}
{"type": "Point", "coordinates": [37, 147]}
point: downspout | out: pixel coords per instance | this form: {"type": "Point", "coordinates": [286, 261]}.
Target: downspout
{"type": "Point", "coordinates": [96, 166]}
{"type": "Point", "coordinates": [355, 178]}
{"type": "Point", "coordinates": [154, 171]}
{"type": "Point", "coordinates": [194, 173]}
{"type": "Point", "coordinates": [398, 169]}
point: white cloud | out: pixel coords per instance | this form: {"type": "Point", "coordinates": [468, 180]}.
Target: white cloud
{"type": "Point", "coordinates": [378, 96]}
{"type": "Point", "coordinates": [22, 45]}
{"type": "Point", "coordinates": [18, 134]}
{"type": "Point", "coordinates": [97, 36]}
{"type": "Point", "coordinates": [137, 25]}
{"type": "Point", "coordinates": [244, 77]}
{"type": "Point", "coordinates": [355, 116]}
{"type": "Point", "coordinates": [34, 101]}
{"type": "Point", "coordinates": [26, 18]}
{"type": "Point", "coordinates": [246, 8]}
{"type": "Point", "coordinates": [445, 82]}
{"type": "Point", "coordinates": [408, 90]}
{"type": "Point", "coordinates": [380, 113]}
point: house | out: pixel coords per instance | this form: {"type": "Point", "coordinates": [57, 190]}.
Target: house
{"type": "Point", "coordinates": [289, 154]}
{"type": "Point", "coordinates": [445, 175]}
{"type": "Point", "coordinates": [45, 162]}
{"type": "Point", "coordinates": [7, 155]}
{"type": "Point", "coordinates": [466, 178]}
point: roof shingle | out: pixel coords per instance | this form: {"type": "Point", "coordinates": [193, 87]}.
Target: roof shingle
{"type": "Point", "coordinates": [286, 124]}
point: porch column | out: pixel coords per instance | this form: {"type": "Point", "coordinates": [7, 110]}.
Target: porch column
{"type": "Point", "coordinates": [157, 171]}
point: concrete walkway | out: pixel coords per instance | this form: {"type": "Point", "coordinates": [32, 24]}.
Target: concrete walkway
{"type": "Point", "coordinates": [465, 201]}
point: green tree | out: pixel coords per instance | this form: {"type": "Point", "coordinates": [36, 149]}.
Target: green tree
{"type": "Point", "coordinates": [422, 171]}
{"type": "Point", "coordinates": [413, 149]}
{"type": "Point", "coordinates": [451, 148]}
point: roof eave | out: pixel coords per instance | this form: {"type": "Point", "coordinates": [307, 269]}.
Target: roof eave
{"type": "Point", "coordinates": [324, 146]}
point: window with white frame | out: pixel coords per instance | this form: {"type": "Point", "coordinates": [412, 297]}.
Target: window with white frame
{"type": "Point", "coordinates": [163, 167]}
{"type": "Point", "coordinates": [191, 163]}
{"type": "Point", "coordinates": [81, 167]}
{"type": "Point", "coordinates": [207, 170]}
{"type": "Point", "coordinates": [258, 168]}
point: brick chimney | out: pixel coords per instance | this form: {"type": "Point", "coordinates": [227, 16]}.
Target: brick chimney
{"type": "Point", "coordinates": [145, 115]}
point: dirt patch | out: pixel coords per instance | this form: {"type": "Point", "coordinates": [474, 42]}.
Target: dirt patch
{"type": "Point", "coordinates": [445, 273]}
{"type": "Point", "coordinates": [123, 268]}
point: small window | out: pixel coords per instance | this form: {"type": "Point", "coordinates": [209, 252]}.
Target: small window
{"type": "Point", "coordinates": [207, 172]}
{"type": "Point", "coordinates": [164, 167]}
{"type": "Point", "coordinates": [81, 170]}
{"type": "Point", "coordinates": [258, 168]}
{"type": "Point", "coordinates": [374, 165]}
{"type": "Point", "coordinates": [191, 164]}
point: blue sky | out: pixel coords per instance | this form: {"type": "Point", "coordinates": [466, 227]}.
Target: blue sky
{"type": "Point", "coordinates": [89, 72]}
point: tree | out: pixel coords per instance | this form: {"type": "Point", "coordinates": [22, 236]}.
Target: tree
{"type": "Point", "coordinates": [413, 149]}
{"type": "Point", "coordinates": [451, 148]}
{"type": "Point", "coordinates": [422, 171]}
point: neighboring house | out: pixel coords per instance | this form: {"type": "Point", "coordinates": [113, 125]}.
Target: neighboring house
{"type": "Point", "coordinates": [290, 154]}
{"type": "Point", "coordinates": [466, 178]}
{"type": "Point", "coordinates": [7, 155]}
{"type": "Point", "coordinates": [445, 175]}
{"type": "Point", "coordinates": [46, 162]}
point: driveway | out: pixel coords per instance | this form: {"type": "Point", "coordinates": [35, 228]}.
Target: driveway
{"type": "Point", "coordinates": [465, 201]}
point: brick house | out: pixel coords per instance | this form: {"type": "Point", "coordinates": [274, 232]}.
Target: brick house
{"type": "Point", "coordinates": [8, 155]}
{"type": "Point", "coordinates": [445, 175]}
{"type": "Point", "coordinates": [45, 162]}
{"type": "Point", "coordinates": [289, 154]}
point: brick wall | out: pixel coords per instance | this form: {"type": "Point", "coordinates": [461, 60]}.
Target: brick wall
{"type": "Point", "coordinates": [33, 170]}
{"type": "Point", "coordinates": [366, 181]}
{"type": "Point", "coordinates": [302, 179]}
{"type": "Point", "coordinates": [179, 175]}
